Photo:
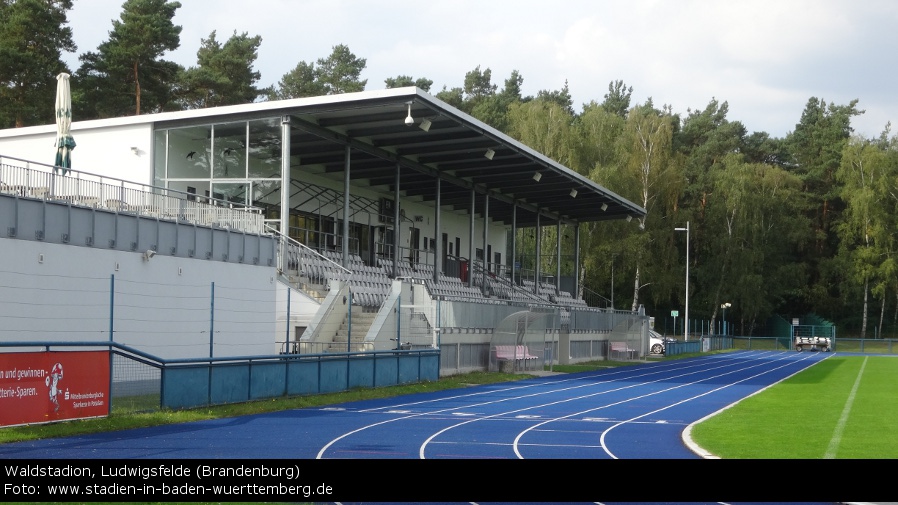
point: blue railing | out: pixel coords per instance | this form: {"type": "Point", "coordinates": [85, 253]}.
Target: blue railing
{"type": "Point", "coordinates": [196, 382]}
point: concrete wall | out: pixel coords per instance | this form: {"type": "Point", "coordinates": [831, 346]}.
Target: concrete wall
{"type": "Point", "coordinates": [171, 305]}
{"type": "Point", "coordinates": [101, 150]}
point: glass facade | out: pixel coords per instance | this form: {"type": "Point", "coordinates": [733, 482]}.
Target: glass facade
{"type": "Point", "coordinates": [240, 162]}
{"type": "Point", "coordinates": [237, 162]}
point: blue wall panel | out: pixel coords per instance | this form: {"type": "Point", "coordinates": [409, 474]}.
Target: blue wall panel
{"type": "Point", "coordinates": [361, 372]}
{"type": "Point", "coordinates": [189, 386]}
{"type": "Point", "coordinates": [230, 384]}
{"type": "Point", "coordinates": [302, 378]}
{"type": "Point", "coordinates": [333, 376]}
{"type": "Point", "coordinates": [386, 371]}
{"type": "Point", "coordinates": [268, 380]}
{"type": "Point", "coordinates": [185, 387]}
{"type": "Point", "coordinates": [408, 368]}
{"type": "Point", "coordinates": [430, 368]}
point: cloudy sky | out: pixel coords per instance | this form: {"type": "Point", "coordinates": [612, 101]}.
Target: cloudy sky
{"type": "Point", "coordinates": [765, 58]}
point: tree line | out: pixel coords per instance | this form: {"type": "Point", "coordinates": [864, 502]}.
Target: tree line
{"type": "Point", "coordinates": [806, 223]}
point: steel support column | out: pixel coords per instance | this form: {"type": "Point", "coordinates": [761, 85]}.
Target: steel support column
{"type": "Point", "coordinates": [346, 210]}
{"type": "Point", "coordinates": [471, 242]}
{"type": "Point", "coordinates": [396, 227]}
{"type": "Point", "coordinates": [437, 237]}
{"type": "Point", "coordinates": [486, 222]}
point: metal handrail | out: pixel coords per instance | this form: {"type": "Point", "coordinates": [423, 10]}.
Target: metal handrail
{"type": "Point", "coordinates": [118, 195]}
{"type": "Point", "coordinates": [287, 245]}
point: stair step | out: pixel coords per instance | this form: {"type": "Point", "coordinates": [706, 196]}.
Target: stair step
{"type": "Point", "coordinates": [339, 348]}
{"type": "Point", "coordinates": [356, 337]}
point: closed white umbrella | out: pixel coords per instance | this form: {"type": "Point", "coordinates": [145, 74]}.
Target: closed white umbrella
{"type": "Point", "coordinates": [64, 141]}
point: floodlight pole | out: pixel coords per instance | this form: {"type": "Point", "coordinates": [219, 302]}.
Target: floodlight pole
{"type": "Point", "coordinates": [686, 315]}
{"type": "Point", "coordinates": [724, 306]}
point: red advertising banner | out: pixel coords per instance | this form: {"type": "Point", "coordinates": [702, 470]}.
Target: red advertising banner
{"type": "Point", "coordinates": [41, 387]}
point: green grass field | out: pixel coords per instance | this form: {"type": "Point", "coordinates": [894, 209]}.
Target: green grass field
{"type": "Point", "coordinates": [844, 407]}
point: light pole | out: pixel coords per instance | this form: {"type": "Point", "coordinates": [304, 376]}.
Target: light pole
{"type": "Point", "coordinates": [612, 281]}
{"type": "Point", "coordinates": [686, 315]}
{"type": "Point", "coordinates": [725, 306]}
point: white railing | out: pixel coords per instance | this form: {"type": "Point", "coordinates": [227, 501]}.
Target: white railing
{"type": "Point", "coordinates": [296, 258]}
{"type": "Point", "coordinates": [28, 179]}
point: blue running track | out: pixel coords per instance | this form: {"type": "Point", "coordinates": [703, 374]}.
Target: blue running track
{"type": "Point", "coordinates": [631, 412]}
{"type": "Point", "coordinates": [563, 426]}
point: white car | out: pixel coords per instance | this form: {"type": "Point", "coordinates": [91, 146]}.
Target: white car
{"type": "Point", "coordinates": [657, 342]}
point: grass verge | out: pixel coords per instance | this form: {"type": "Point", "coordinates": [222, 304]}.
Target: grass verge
{"type": "Point", "coordinates": [839, 408]}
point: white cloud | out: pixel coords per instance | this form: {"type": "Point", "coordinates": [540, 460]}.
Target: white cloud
{"type": "Point", "coordinates": [766, 58]}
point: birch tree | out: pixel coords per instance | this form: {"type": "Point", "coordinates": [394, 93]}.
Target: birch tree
{"type": "Point", "coordinates": [648, 175]}
{"type": "Point", "coordinates": [867, 225]}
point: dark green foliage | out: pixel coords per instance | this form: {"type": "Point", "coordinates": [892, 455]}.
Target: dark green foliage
{"type": "Point", "coordinates": [562, 97]}
{"type": "Point", "coordinates": [33, 36]}
{"type": "Point", "coordinates": [454, 97]}
{"type": "Point", "coordinates": [300, 82]}
{"type": "Point", "coordinates": [403, 81]}
{"type": "Point", "coordinates": [126, 76]}
{"type": "Point", "coordinates": [815, 149]}
{"type": "Point", "coordinates": [338, 73]}
{"type": "Point", "coordinates": [478, 86]}
{"type": "Point", "coordinates": [224, 75]}
{"type": "Point", "coordinates": [493, 109]}
{"type": "Point", "coordinates": [617, 100]}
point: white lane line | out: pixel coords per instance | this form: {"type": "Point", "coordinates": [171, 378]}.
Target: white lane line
{"type": "Point", "coordinates": [565, 400]}
{"type": "Point", "coordinates": [610, 380]}
{"type": "Point", "coordinates": [602, 437]}
{"type": "Point", "coordinates": [612, 455]}
{"type": "Point", "coordinates": [517, 440]}
{"type": "Point", "coordinates": [687, 433]}
{"type": "Point", "coordinates": [622, 373]}
{"type": "Point", "coordinates": [843, 420]}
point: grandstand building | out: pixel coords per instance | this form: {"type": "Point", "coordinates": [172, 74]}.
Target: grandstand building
{"type": "Point", "coordinates": [347, 223]}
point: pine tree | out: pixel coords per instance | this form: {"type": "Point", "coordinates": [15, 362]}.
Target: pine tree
{"type": "Point", "coordinates": [33, 36]}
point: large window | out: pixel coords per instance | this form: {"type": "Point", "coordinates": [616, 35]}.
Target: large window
{"type": "Point", "coordinates": [264, 152]}
{"type": "Point", "coordinates": [233, 193]}
{"type": "Point", "coordinates": [239, 162]}
{"type": "Point", "coordinates": [229, 151]}
{"type": "Point", "coordinates": [188, 154]}
{"type": "Point", "coordinates": [304, 229]}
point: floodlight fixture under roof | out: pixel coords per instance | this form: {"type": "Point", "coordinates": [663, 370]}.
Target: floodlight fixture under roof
{"type": "Point", "coordinates": [409, 120]}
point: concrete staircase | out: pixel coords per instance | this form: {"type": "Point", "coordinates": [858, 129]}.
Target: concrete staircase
{"type": "Point", "coordinates": [361, 322]}
{"type": "Point", "coordinates": [316, 291]}
{"type": "Point", "coordinates": [302, 283]}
